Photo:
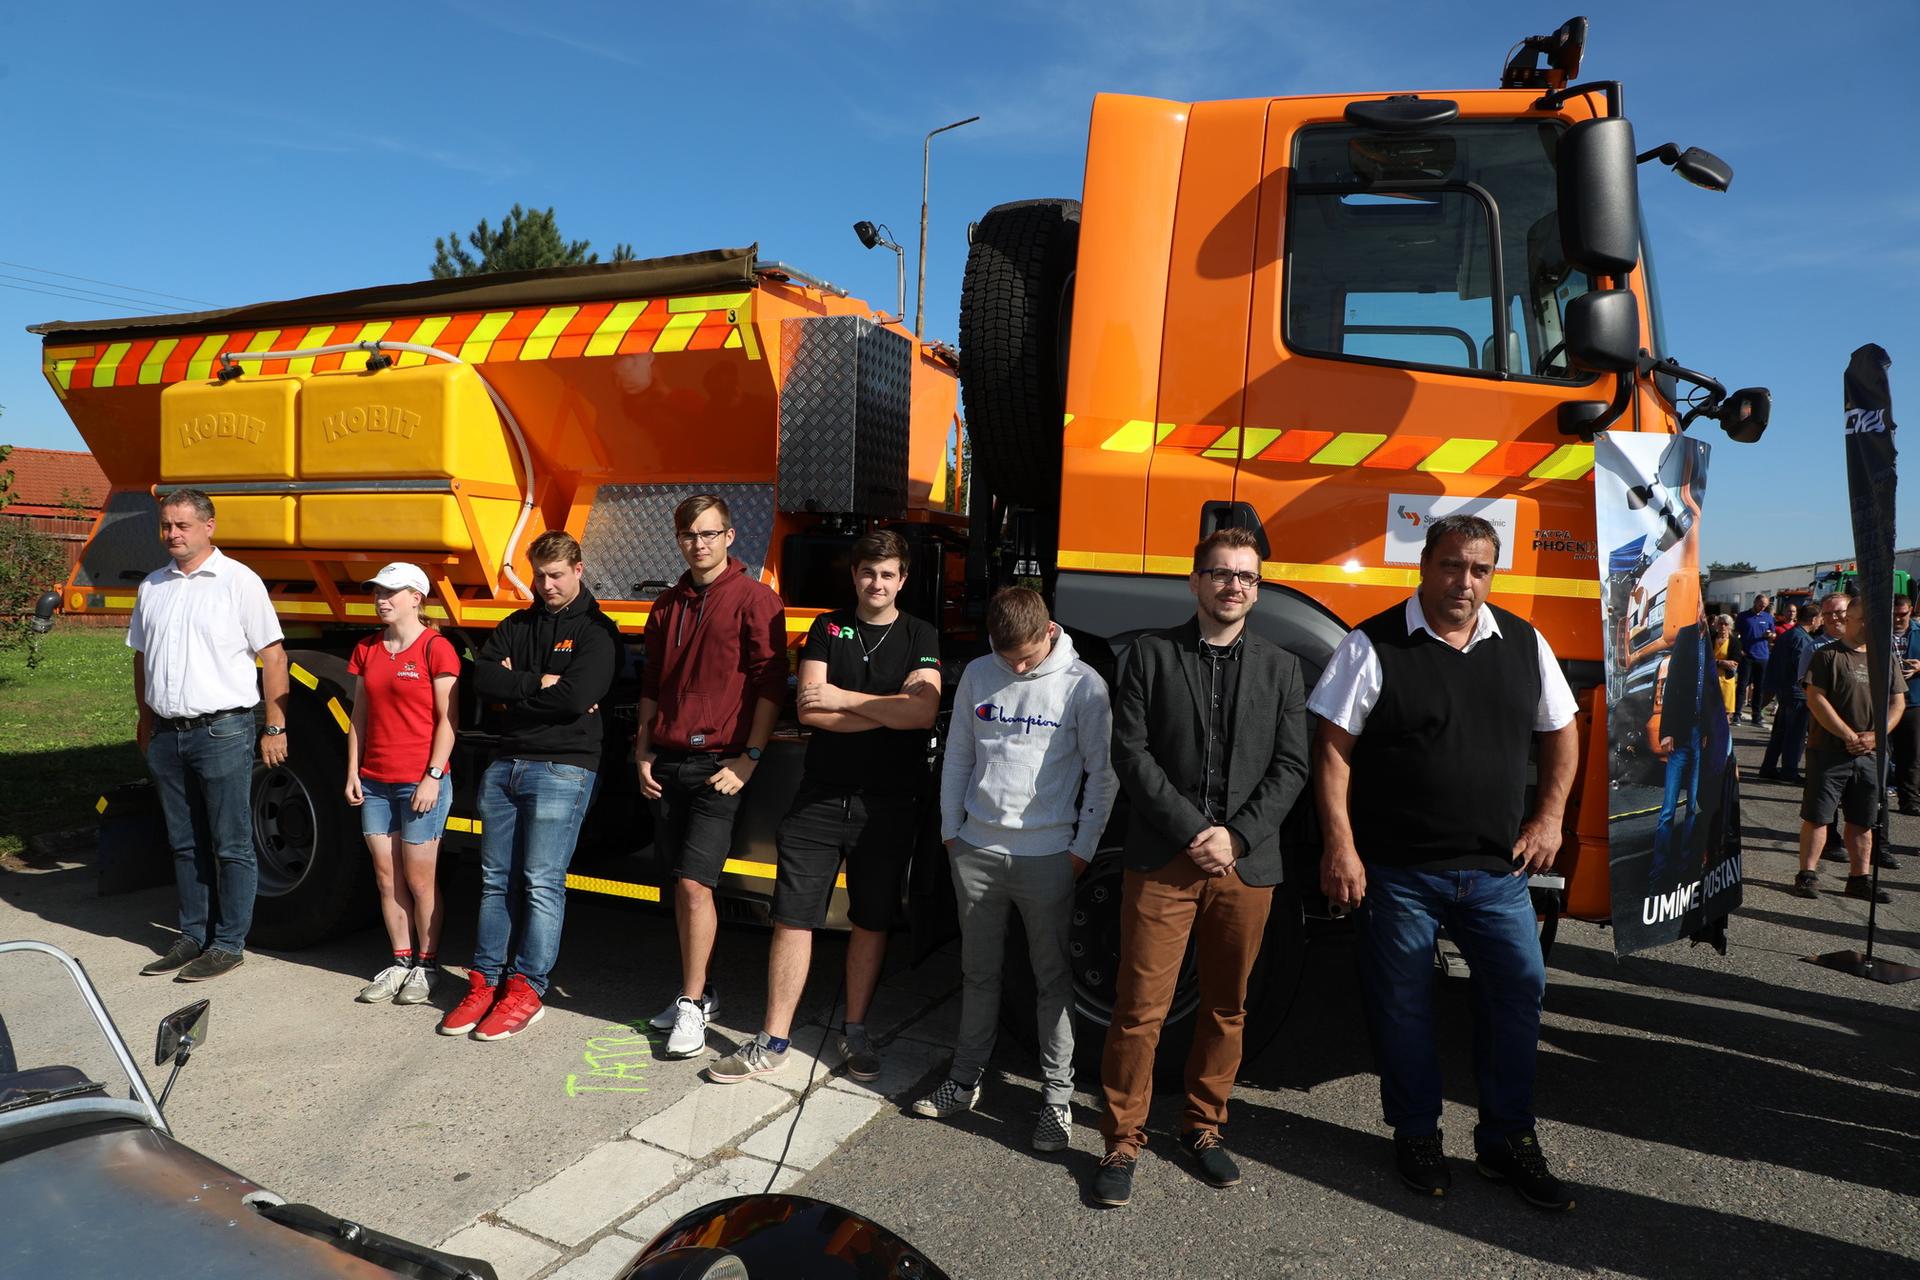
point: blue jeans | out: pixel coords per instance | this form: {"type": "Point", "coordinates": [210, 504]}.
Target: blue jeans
{"type": "Point", "coordinates": [1490, 918]}
{"type": "Point", "coordinates": [530, 814]}
{"type": "Point", "coordinates": [205, 780]}
{"type": "Point", "coordinates": [1789, 737]}
{"type": "Point", "coordinates": [1683, 773]}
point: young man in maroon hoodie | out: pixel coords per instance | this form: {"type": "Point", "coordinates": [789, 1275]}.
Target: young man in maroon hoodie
{"type": "Point", "coordinates": [714, 677]}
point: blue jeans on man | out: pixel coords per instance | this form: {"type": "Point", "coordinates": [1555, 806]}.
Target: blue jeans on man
{"type": "Point", "coordinates": [1787, 740]}
{"type": "Point", "coordinates": [530, 815]}
{"type": "Point", "coordinates": [1683, 774]}
{"type": "Point", "coordinates": [205, 780]}
{"type": "Point", "coordinates": [1490, 918]}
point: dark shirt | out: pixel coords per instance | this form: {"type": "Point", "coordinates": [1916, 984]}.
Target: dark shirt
{"type": "Point", "coordinates": [1790, 653]}
{"type": "Point", "coordinates": [1753, 633]}
{"type": "Point", "coordinates": [1222, 665]}
{"type": "Point", "coordinates": [864, 658]}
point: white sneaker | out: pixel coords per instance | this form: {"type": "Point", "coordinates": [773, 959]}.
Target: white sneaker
{"type": "Point", "coordinates": [418, 987]}
{"type": "Point", "coordinates": [385, 985]}
{"type": "Point", "coordinates": [689, 1029]}
{"type": "Point", "coordinates": [664, 1020]}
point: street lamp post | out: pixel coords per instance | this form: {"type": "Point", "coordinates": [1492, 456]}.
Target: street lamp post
{"type": "Point", "coordinates": [926, 161]}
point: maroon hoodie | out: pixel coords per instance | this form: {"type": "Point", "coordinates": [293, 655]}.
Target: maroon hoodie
{"type": "Point", "coordinates": [710, 656]}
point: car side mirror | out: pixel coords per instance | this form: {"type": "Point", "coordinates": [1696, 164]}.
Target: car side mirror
{"type": "Point", "coordinates": [1603, 331]}
{"type": "Point", "coordinates": [1599, 190]}
{"type": "Point", "coordinates": [181, 1032]}
{"type": "Point", "coordinates": [1744, 414]}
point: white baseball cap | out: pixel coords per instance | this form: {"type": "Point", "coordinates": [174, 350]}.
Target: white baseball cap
{"type": "Point", "coordinates": [401, 574]}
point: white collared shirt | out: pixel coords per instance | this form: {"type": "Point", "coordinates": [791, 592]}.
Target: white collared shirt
{"type": "Point", "coordinates": [198, 635]}
{"type": "Point", "coordinates": [1350, 686]}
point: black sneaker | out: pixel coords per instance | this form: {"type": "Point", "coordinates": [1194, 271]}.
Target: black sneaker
{"type": "Point", "coordinates": [1911, 808]}
{"type": "Point", "coordinates": [1861, 887]}
{"type": "Point", "coordinates": [1113, 1180]}
{"type": "Point", "coordinates": [1885, 861]}
{"type": "Point", "coordinates": [1806, 884]}
{"type": "Point", "coordinates": [1519, 1161]}
{"type": "Point", "coordinates": [211, 964]}
{"type": "Point", "coordinates": [862, 1062]}
{"type": "Point", "coordinates": [1215, 1166]}
{"type": "Point", "coordinates": [182, 952]}
{"type": "Point", "coordinates": [1422, 1164]}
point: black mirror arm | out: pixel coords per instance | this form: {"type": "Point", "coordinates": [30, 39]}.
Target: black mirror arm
{"type": "Point", "coordinates": [180, 1057]}
{"type": "Point", "coordinates": [1611, 88]}
{"type": "Point", "coordinates": [1716, 391]}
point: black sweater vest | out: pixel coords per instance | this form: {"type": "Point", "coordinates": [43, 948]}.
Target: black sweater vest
{"type": "Point", "coordinates": [1440, 768]}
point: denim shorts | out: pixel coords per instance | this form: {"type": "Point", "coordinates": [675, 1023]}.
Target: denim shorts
{"type": "Point", "coordinates": [387, 808]}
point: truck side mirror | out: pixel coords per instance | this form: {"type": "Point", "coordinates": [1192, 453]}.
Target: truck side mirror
{"type": "Point", "coordinates": [1603, 332]}
{"type": "Point", "coordinates": [1743, 415]}
{"type": "Point", "coordinates": [1599, 187]}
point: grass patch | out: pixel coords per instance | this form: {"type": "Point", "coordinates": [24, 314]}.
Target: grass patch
{"type": "Point", "coordinates": [66, 732]}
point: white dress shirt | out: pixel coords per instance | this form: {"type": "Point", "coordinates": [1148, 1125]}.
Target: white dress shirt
{"type": "Point", "coordinates": [1350, 686]}
{"type": "Point", "coordinates": [198, 635]}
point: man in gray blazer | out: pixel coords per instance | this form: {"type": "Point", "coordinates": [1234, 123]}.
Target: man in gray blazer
{"type": "Point", "coordinates": [1210, 744]}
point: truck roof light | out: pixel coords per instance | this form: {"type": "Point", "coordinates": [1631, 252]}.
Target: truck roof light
{"type": "Point", "coordinates": [1402, 113]}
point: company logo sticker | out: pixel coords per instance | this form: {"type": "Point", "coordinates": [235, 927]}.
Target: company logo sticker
{"type": "Point", "coordinates": [564, 646]}
{"type": "Point", "coordinates": [1409, 514]}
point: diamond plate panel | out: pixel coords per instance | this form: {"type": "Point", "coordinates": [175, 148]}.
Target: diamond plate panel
{"type": "Point", "coordinates": [629, 536]}
{"type": "Point", "coordinates": [845, 415]}
{"type": "Point", "coordinates": [126, 547]}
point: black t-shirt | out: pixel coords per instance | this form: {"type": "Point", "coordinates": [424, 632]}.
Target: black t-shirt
{"type": "Point", "coordinates": [863, 658]}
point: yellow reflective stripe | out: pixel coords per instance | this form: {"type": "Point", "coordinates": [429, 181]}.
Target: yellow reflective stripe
{"type": "Point", "coordinates": [1520, 584]}
{"type": "Point", "coordinates": [606, 338]}
{"type": "Point", "coordinates": [1455, 456]}
{"type": "Point", "coordinates": [733, 340]}
{"type": "Point", "coordinates": [103, 372]}
{"type": "Point", "coordinates": [539, 343]}
{"type": "Point", "coordinates": [765, 871]}
{"type": "Point", "coordinates": [467, 824]}
{"type": "Point", "coordinates": [304, 676]}
{"type": "Point", "coordinates": [100, 805]}
{"type": "Point", "coordinates": [1134, 436]}
{"type": "Point", "coordinates": [262, 341]}
{"type": "Point", "coordinates": [426, 334]}
{"type": "Point", "coordinates": [1347, 449]}
{"type": "Point", "coordinates": [618, 888]}
{"type": "Point", "coordinates": [678, 331]}
{"type": "Point", "coordinates": [1227, 446]}
{"type": "Point", "coordinates": [318, 336]}
{"type": "Point", "coordinates": [1512, 584]}
{"type": "Point", "coordinates": [340, 716]}
{"type": "Point", "coordinates": [1100, 561]}
{"type": "Point", "coordinates": [480, 341]}
{"type": "Point", "coordinates": [713, 302]}
{"type": "Point", "coordinates": [201, 366]}
{"type": "Point", "coordinates": [1568, 462]}
{"type": "Point", "coordinates": [156, 360]}
{"type": "Point", "coordinates": [1254, 439]}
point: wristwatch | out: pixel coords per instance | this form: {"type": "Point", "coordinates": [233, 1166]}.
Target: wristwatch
{"type": "Point", "coordinates": [435, 772]}
{"type": "Point", "coordinates": [275, 730]}
{"type": "Point", "coordinates": [752, 753]}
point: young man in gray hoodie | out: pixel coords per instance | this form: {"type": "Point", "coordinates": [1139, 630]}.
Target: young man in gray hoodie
{"type": "Point", "coordinates": [1024, 796]}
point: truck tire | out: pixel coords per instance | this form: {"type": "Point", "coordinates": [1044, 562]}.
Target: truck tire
{"type": "Point", "coordinates": [1094, 952]}
{"type": "Point", "coordinates": [1016, 309]}
{"type": "Point", "coordinates": [316, 881]}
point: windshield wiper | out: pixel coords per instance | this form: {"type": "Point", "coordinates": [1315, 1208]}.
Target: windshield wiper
{"type": "Point", "coordinates": [31, 1097]}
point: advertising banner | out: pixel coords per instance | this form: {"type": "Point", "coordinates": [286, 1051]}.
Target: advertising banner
{"type": "Point", "coordinates": [1870, 486]}
{"type": "Point", "coordinates": [1674, 862]}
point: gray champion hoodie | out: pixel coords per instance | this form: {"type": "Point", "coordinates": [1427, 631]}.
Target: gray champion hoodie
{"type": "Point", "coordinates": [1018, 749]}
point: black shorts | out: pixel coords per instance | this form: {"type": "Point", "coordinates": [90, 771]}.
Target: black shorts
{"type": "Point", "coordinates": [1840, 784]}
{"type": "Point", "coordinates": [875, 834]}
{"type": "Point", "coordinates": [693, 823]}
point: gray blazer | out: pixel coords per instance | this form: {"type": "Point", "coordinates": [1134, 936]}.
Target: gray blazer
{"type": "Point", "coordinates": [1159, 745]}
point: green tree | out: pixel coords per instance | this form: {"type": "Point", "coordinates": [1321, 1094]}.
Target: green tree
{"type": "Point", "coordinates": [30, 564]}
{"type": "Point", "coordinates": [522, 242]}
{"type": "Point", "coordinates": [1735, 566]}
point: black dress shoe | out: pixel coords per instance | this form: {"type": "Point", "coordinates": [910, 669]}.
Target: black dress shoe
{"type": "Point", "coordinates": [1885, 861]}
{"type": "Point", "coordinates": [1215, 1166]}
{"type": "Point", "coordinates": [1113, 1180]}
{"type": "Point", "coordinates": [183, 950]}
{"type": "Point", "coordinates": [1422, 1164]}
{"type": "Point", "coordinates": [1518, 1160]}
{"type": "Point", "coordinates": [1861, 887]}
{"type": "Point", "coordinates": [211, 964]}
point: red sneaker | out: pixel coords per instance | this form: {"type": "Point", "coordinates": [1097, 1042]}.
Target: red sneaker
{"type": "Point", "coordinates": [467, 1014]}
{"type": "Point", "coordinates": [518, 1008]}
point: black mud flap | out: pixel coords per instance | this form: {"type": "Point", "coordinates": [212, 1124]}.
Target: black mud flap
{"type": "Point", "coordinates": [933, 914]}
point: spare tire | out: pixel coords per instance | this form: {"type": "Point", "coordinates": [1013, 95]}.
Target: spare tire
{"type": "Point", "coordinates": [1016, 309]}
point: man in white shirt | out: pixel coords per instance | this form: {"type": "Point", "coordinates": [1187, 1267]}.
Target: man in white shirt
{"type": "Point", "coordinates": [199, 627]}
{"type": "Point", "coordinates": [1426, 712]}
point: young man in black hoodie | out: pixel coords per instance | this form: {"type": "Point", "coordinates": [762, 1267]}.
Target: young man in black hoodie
{"type": "Point", "coordinates": [552, 665]}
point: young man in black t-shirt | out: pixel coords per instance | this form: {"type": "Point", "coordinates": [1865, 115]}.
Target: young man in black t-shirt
{"type": "Point", "coordinates": [869, 689]}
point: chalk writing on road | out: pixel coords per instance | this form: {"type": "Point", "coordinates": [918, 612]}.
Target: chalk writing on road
{"type": "Point", "coordinates": [616, 1059]}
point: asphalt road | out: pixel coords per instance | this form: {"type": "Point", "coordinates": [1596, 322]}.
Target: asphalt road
{"type": "Point", "coordinates": [1747, 1114]}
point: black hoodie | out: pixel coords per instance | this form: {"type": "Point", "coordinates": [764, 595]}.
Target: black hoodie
{"type": "Point", "coordinates": [561, 723]}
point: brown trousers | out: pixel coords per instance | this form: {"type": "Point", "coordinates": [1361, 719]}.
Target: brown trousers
{"type": "Point", "coordinates": [1159, 911]}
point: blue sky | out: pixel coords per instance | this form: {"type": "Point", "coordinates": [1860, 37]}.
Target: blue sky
{"type": "Point", "coordinates": [233, 158]}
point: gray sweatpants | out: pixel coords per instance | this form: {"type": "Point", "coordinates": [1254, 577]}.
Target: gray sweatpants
{"type": "Point", "coordinates": [1040, 886]}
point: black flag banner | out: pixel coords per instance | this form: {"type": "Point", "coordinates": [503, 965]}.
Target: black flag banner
{"type": "Point", "coordinates": [1870, 485]}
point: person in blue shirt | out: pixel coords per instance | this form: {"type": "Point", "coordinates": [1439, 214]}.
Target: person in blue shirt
{"type": "Point", "coordinates": [1790, 654]}
{"type": "Point", "coordinates": [1752, 642]}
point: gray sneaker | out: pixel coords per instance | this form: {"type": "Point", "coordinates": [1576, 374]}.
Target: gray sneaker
{"type": "Point", "coordinates": [863, 1063]}
{"type": "Point", "coordinates": [951, 1099]}
{"type": "Point", "coordinates": [418, 987]}
{"type": "Point", "coordinates": [1053, 1130]}
{"type": "Point", "coordinates": [663, 1020]}
{"type": "Point", "coordinates": [751, 1059]}
{"type": "Point", "coordinates": [385, 985]}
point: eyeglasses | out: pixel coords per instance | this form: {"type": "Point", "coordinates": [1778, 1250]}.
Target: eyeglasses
{"type": "Point", "coordinates": [1224, 577]}
{"type": "Point", "coordinates": [691, 536]}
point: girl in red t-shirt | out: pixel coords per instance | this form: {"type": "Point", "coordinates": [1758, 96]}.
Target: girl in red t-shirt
{"type": "Point", "coordinates": [398, 745]}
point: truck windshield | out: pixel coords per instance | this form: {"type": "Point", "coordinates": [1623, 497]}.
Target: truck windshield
{"type": "Point", "coordinates": [1390, 249]}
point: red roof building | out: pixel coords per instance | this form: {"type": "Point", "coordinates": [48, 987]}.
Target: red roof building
{"type": "Point", "coordinates": [50, 482]}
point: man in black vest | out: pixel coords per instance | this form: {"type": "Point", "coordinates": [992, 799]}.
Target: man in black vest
{"type": "Point", "coordinates": [1426, 712]}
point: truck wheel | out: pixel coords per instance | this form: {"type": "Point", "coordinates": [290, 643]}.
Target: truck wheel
{"type": "Point", "coordinates": [1015, 314]}
{"type": "Point", "coordinates": [315, 879]}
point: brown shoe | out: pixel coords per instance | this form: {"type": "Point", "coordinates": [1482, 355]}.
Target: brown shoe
{"type": "Point", "coordinates": [211, 964]}
{"type": "Point", "coordinates": [183, 951]}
